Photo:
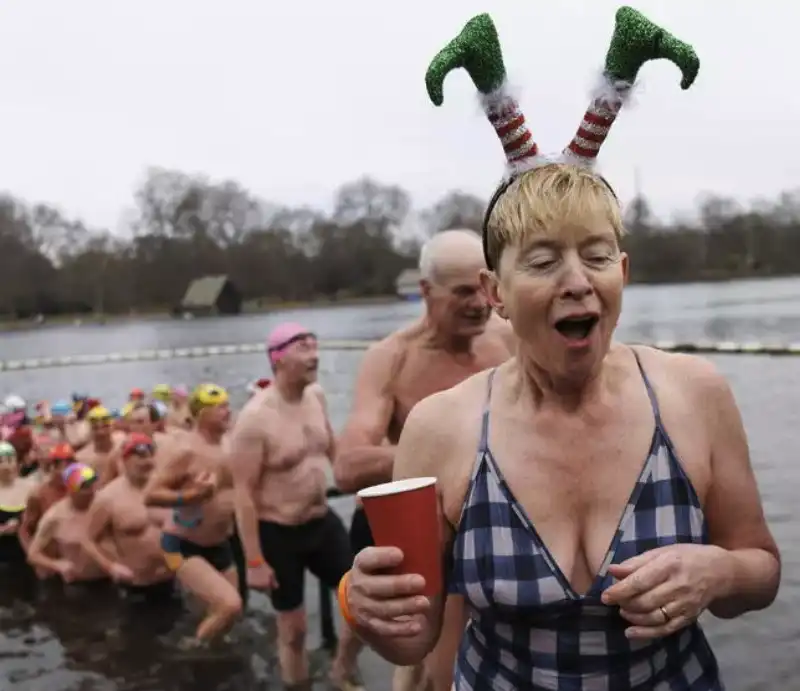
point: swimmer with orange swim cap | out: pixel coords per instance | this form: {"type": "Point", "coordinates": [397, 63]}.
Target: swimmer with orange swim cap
{"type": "Point", "coordinates": [58, 545]}
{"type": "Point", "coordinates": [49, 491]}
{"type": "Point", "coordinates": [198, 486]}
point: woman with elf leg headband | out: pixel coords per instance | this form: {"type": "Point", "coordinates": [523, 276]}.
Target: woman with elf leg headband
{"type": "Point", "coordinates": [611, 499]}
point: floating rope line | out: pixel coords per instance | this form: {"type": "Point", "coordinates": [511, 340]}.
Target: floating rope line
{"type": "Point", "coordinates": [706, 347]}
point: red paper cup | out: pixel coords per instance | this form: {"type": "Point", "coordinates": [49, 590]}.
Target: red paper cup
{"type": "Point", "coordinates": [405, 514]}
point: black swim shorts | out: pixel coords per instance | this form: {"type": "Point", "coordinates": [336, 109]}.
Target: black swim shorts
{"type": "Point", "coordinates": [360, 533]}
{"type": "Point", "coordinates": [177, 550]}
{"type": "Point", "coordinates": [321, 546]}
{"type": "Point", "coordinates": [160, 593]}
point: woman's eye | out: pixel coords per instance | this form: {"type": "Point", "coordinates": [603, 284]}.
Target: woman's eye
{"type": "Point", "coordinates": [600, 259]}
{"type": "Point", "coordinates": [542, 264]}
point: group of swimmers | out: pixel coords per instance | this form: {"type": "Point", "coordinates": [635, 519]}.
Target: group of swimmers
{"type": "Point", "coordinates": [174, 495]}
{"type": "Point", "coordinates": [153, 498]}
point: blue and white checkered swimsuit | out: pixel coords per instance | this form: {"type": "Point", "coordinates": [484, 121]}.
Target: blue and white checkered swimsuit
{"type": "Point", "coordinates": [530, 630]}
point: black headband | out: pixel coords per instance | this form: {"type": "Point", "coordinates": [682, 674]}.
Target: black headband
{"type": "Point", "coordinates": [499, 192]}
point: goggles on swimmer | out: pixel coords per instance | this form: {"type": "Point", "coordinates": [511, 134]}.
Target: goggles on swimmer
{"type": "Point", "coordinates": [282, 337]}
{"type": "Point", "coordinates": [77, 476]}
{"type": "Point", "coordinates": [207, 396]}
{"type": "Point", "coordinates": [138, 445]}
{"type": "Point", "coordinates": [61, 453]}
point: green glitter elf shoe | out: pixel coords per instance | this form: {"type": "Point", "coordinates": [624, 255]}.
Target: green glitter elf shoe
{"type": "Point", "coordinates": [477, 50]}
{"type": "Point", "coordinates": [636, 40]}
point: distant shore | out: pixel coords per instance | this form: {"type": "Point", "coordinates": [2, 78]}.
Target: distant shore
{"type": "Point", "coordinates": [264, 306]}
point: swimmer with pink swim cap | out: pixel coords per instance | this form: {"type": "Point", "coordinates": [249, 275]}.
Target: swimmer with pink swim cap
{"type": "Point", "coordinates": [292, 352]}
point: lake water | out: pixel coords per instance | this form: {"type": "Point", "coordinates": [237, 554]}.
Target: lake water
{"type": "Point", "coordinates": [51, 642]}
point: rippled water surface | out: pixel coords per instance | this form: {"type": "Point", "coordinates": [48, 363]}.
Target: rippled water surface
{"type": "Point", "coordinates": [53, 641]}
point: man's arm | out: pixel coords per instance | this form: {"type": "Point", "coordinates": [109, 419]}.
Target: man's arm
{"type": "Point", "coordinates": [43, 540]}
{"type": "Point", "coordinates": [30, 519]}
{"type": "Point", "coordinates": [319, 392]}
{"type": "Point", "coordinates": [247, 461]}
{"type": "Point", "coordinates": [113, 468]}
{"type": "Point", "coordinates": [362, 459]}
{"type": "Point", "coordinates": [167, 485]}
{"type": "Point", "coordinates": [733, 506]}
{"type": "Point", "coordinates": [99, 525]}
{"type": "Point", "coordinates": [424, 450]}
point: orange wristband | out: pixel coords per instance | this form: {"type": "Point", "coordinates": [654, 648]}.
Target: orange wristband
{"type": "Point", "coordinates": [342, 597]}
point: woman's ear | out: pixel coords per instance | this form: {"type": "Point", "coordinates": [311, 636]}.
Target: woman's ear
{"type": "Point", "coordinates": [490, 284]}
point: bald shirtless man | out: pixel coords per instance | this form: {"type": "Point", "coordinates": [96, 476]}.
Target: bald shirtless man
{"type": "Point", "coordinates": [457, 337]}
{"type": "Point", "coordinates": [196, 483]}
{"type": "Point", "coordinates": [282, 446]}
{"type": "Point", "coordinates": [119, 515]}
{"type": "Point", "coordinates": [103, 450]}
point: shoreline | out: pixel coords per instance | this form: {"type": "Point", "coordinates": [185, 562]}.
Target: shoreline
{"type": "Point", "coordinates": [267, 306]}
{"type": "Point", "coordinates": [263, 307]}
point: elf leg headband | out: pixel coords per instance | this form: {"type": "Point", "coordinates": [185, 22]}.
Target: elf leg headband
{"type": "Point", "coordinates": [635, 41]}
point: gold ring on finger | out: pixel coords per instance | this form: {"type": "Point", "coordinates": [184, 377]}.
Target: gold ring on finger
{"type": "Point", "coordinates": [667, 618]}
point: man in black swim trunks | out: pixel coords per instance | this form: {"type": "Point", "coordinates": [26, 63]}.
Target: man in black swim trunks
{"type": "Point", "coordinates": [457, 337]}
{"type": "Point", "coordinates": [195, 481]}
{"type": "Point", "coordinates": [281, 450]}
{"type": "Point", "coordinates": [124, 535]}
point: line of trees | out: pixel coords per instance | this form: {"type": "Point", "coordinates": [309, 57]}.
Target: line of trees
{"type": "Point", "coordinates": [186, 226]}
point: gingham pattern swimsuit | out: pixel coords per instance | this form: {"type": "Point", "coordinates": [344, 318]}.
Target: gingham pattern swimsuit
{"type": "Point", "coordinates": [529, 629]}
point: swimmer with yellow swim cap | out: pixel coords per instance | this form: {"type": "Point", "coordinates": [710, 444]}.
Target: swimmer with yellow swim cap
{"type": "Point", "coordinates": [102, 451]}
{"type": "Point", "coordinates": [162, 392]}
{"type": "Point", "coordinates": [58, 543]}
{"type": "Point", "coordinates": [198, 486]}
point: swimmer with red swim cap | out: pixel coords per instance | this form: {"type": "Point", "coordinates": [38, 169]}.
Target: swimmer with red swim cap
{"type": "Point", "coordinates": [120, 515]}
{"type": "Point", "coordinates": [48, 492]}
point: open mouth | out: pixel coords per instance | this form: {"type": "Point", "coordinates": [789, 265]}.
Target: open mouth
{"type": "Point", "coordinates": [474, 318]}
{"type": "Point", "coordinates": [577, 328]}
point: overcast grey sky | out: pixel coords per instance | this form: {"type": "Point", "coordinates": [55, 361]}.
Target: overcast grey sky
{"type": "Point", "coordinates": [293, 101]}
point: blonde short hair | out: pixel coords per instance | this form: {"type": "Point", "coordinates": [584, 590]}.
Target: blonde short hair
{"type": "Point", "coordinates": [544, 198]}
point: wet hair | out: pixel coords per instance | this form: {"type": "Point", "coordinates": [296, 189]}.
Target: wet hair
{"type": "Point", "coordinates": [539, 200]}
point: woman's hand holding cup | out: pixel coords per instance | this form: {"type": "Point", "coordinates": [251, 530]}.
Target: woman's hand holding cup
{"type": "Point", "coordinates": [386, 604]}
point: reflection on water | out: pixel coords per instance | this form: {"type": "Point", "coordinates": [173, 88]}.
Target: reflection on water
{"type": "Point", "coordinates": [49, 642]}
